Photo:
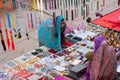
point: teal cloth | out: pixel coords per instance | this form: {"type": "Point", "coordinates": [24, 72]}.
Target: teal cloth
{"type": "Point", "coordinates": [47, 31]}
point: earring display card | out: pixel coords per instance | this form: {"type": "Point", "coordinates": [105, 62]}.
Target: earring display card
{"type": "Point", "coordinates": [11, 64]}
{"type": "Point", "coordinates": [34, 77]}
{"type": "Point", "coordinates": [17, 68]}
{"type": "Point", "coordinates": [24, 74]}
{"type": "Point", "coordinates": [11, 71]}
{"type": "Point", "coordinates": [4, 75]}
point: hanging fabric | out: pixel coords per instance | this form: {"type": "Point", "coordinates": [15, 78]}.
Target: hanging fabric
{"type": "Point", "coordinates": [13, 20]}
{"type": "Point", "coordinates": [11, 5]}
{"type": "Point", "coordinates": [11, 36]}
{"type": "Point", "coordinates": [72, 15]}
{"type": "Point", "coordinates": [8, 18]}
{"type": "Point", "coordinates": [31, 20]}
{"type": "Point", "coordinates": [39, 14]}
{"type": "Point", "coordinates": [1, 4]}
{"type": "Point", "coordinates": [30, 5]}
{"type": "Point", "coordinates": [17, 30]}
{"type": "Point", "coordinates": [97, 5]}
{"type": "Point", "coordinates": [87, 9]}
{"type": "Point", "coordinates": [38, 5]}
{"type": "Point", "coordinates": [28, 21]}
{"type": "Point", "coordinates": [6, 31]}
{"type": "Point", "coordinates": [12, 41]}
{"type": "Point", "coordinates": [19, 5]}
{"type": "Point", "coordinates": [49, 4]}
{"type": "Point", "coordinates": [1, 37]}
{"type": "Point", "coordinates": [35, 19]}
{"type": "Point", "coordinates": [42, 14]}
{"type": "Point", "coordinates": [66, 14]}
{"type": "Point", "coordinates": [2, 40]}
{"type": "Point", "coordinates": [54, 4]}
{"type": "Point", "coordinates": [61, 12]}
{"type": "Point", "coordinates": [45, 3]}
{"type": "Point", "coordinates": [14, 5]}
{"type": "Point", "coordinates": [34, 4]}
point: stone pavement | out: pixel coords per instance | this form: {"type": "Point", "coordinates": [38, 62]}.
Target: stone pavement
{"type": "Point", "coordinates": [24, 45]}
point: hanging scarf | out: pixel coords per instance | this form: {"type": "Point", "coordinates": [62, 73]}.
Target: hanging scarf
{"type": "Point", "coordinates": [17, 30]}
{"type": "Point", "coordinates": [30, 4]}
{"type": "Point", "coordinates": [8, 17]}
{"type": "Point", "coordinates": [11, 5]}
{"type": "Point", "coordinates": [42, 15]}
{"type": "Point", "coordinates": [1, 4]}
{"type": "Point", "coordinates": [49, 4]}
{"type": "Point", "coordinates": [35, 20]}
{"type": "Point", "coordinates": [14, 4]}
{"type": "Point", "coordinates": [12, 41]}
{"type": "Point", "coordinates": [39, 14]}
{"type": "Point", "coordinates": [11, 36]}
{"type": "Point", "coordinates": [28, 21]}
{"type": "Point", "coordinates": [1, 37]}
{"type": "Point", "coordinates": [31, 20]}
{"type": "Point", "coordinates": [2, 40]}
{"type": "Point", "coordinates": [34, 4]}
{"type": "Point", "coordinates": [38, 5]}
{"type": "Point", "coordinates": [13, 20]}
{"type": "Point", "coordinates": [19, 6]}
{"type": "Point", "coordinates": [6, 31]}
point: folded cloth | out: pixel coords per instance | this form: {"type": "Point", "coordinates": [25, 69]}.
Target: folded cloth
{"type": "Point", "coordinates": [60, 78]}
{"type": "Point", "coordinates": [67, 43]}
{"type": "Point", "coordinates": [52, 51]}
{"type": "Point", "coordinates": [66, 52]}
{"type": "Point", "coordinates": [77, 38]}
{"type": "Point", "coordinates": [60, 54]}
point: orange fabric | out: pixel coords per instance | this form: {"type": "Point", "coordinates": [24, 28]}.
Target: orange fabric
{"type": "Point", "coordinates": [111, 20]}
{"type": "Point", "coordinates": [1, 4]}
{"type": "Point", "coordinates": [11, 5]}
{"type": "Point", "coordinates": [104, 64]}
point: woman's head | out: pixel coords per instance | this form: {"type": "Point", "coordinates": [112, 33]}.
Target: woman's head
{"type": "Point", "coordinates": [63, 24]}
{"type": "Point", "coordinates": [60, 21]}
{"type": "Point", "coordinates": [97, 42]}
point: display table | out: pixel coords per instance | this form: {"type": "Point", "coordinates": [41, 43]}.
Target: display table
{"type": "Point", "coordinates": [49, 64]}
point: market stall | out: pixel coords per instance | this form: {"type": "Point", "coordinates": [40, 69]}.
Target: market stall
{"type": "Point", "coordinates": [111, 20]}
{"type": "Point", "coordinates": [49, 64]}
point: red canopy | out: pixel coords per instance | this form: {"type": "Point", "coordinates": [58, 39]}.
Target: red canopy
{"type": "Point", "coordinates": [111, 20]}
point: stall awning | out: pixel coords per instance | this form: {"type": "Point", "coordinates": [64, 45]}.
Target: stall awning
{"type": "Point", "coordinates": [111, 20]}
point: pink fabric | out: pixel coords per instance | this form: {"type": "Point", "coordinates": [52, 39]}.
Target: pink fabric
{"type": "Point", "coordinates": [104, 64]}
{"type": "Point", "coordinates": [98, 40]}
{"type": "Point", "coordinates": [68, 30]}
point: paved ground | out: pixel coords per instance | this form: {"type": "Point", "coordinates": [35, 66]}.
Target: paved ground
{"type": "Point", "coordinates": [24, 45]}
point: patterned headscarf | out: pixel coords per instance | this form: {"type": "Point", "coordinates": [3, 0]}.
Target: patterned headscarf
{"type": "Point", "coordinates": [98, 40]}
